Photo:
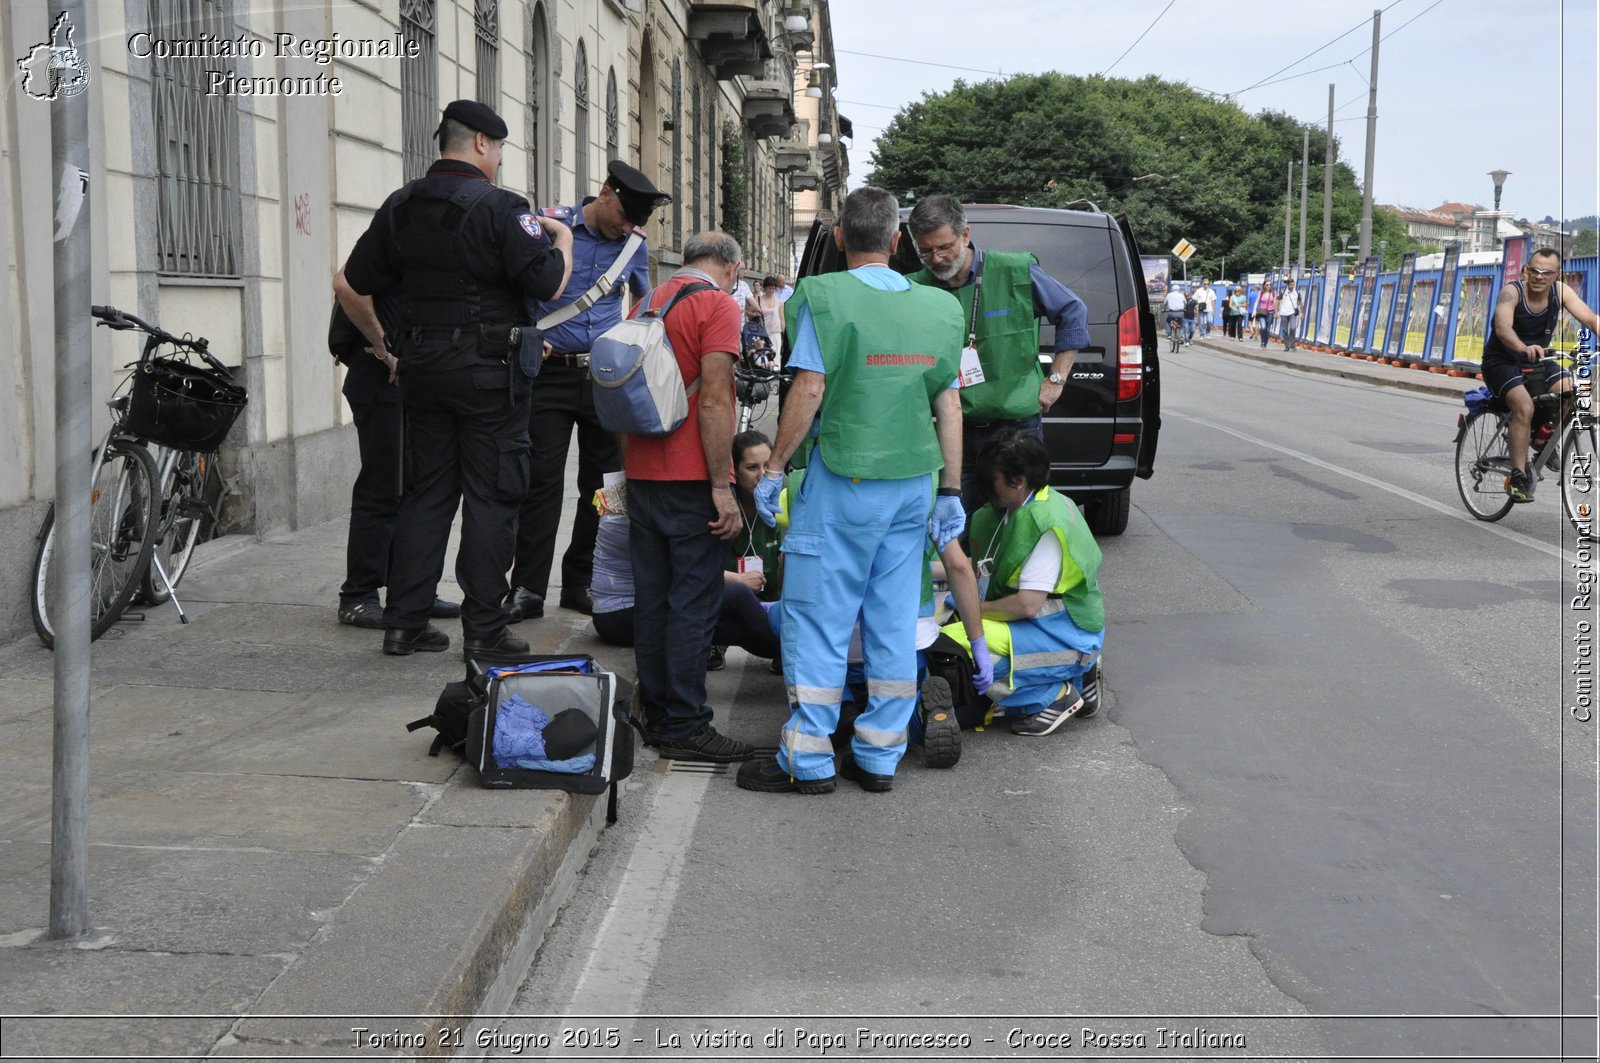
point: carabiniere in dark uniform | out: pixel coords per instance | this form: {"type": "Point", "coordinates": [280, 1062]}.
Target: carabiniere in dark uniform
{"type": "Point", "coordinates": [467, 260]}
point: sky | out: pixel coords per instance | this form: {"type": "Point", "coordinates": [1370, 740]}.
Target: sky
{"type": "Point", "coordinates": [1464, 86]}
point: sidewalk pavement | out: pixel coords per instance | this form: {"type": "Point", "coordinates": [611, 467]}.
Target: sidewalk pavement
{"type": "Point", "coordinates": [266, 840]}
{"type": "Point", "coordinates": [274, 861]}
{"type": "Point", "coordinates": [1350, 367]}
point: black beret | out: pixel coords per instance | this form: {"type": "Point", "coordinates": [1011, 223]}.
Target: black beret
{"type": "Point", "coordinates": [475, 115]}
{"type": "Point", "coordinates": [639, 197]}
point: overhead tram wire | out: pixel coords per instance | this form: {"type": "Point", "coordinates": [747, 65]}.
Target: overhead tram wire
{"type": "Point", "coordinates": [918, 62]}
{"type": "Point", "coordinates": [1275, 80]}
{"type": "Point", "coordinates": [1141, 37]}
{"type": "Point", "coordinates": [1311, 53]}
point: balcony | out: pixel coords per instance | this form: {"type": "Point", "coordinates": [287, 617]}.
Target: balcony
{"type": "Point", "coordinates": [768, 109]}
{"type": "Point", "coordinates": [792, 155]}
{"type": "Point", "coordinates": [731, 36]}
{"type": "Point", "coordinates": [807, 180]}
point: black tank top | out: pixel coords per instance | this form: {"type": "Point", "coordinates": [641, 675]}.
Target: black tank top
{"type": "Point", "coordinates": [1533, 329]}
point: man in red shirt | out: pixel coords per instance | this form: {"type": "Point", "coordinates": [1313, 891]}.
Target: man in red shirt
{"type": "Point", "coordinates": [681, 508]}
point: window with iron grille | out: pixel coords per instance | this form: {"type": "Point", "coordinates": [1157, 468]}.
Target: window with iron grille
{"type": "Point", "coordinates": [580, 120]}
{"type": "Point", "coordinates": [613, 115]}
{"type": "Point", "coordinates": [197, 167]}
{"type": "Point", "coordinates": [419, 86]}
{"type": "Point", "coordinates": [696, 153]}
{"type": "Point", "coordinates": [541, 185]}
{"type": "Point", "coordinates": [486, 30]}
{"type": "Point", "coordinates": [677, 153]}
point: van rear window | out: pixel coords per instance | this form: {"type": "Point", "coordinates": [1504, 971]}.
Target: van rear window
{"type": "Point", "coordinates": [1078, 256]}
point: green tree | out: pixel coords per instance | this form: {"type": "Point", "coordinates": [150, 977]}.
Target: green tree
{"type": "Point", "coordinates": [1178, 163]}
{"type": "Point", "coordinates": [1585, 242]}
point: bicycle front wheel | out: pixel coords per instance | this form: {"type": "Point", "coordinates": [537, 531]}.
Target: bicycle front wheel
{"type": "Point", "coordinates": [1483, 462]}
{"type": "Point", "coordinates": [185, 517]}
{"type": "Point", "coordinates": [1578, 474]}
{"type": "Point", "coordinates": [122, 528]}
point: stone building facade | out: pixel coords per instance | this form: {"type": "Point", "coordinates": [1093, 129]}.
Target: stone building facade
{"type": "Point", "coordinates": [239, 147]}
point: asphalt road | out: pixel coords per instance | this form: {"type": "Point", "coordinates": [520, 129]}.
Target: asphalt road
{"type": "Point", "coordinates": [1335, 807]}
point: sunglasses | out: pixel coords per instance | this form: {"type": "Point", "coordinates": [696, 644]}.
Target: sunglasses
{"type": "Point", "coordinates": [1541, 273]}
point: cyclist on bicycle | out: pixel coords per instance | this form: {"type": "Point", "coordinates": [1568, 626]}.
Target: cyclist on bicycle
{"type": "Point", "coordinates": [1525, 317]}
{"type": "Point", "coordinates": [1176, 298]}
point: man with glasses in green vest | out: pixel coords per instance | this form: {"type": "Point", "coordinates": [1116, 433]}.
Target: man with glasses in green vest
{"type": "Point", "coordinates": [1003, 294]}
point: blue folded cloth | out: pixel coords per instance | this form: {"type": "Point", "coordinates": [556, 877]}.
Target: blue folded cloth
{"type": "Point", "coordinates": [518, 731]}
{"type": "Point", "coordinates": [578, 765]}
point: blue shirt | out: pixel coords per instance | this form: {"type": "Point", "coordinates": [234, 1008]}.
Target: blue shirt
{"type": "Point", "coordinates": [592, 255]}
{"type": "Point", "coordinates": [1052, 300]}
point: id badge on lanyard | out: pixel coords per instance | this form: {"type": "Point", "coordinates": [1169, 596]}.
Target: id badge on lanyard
{"type": "Point", "coordinates": [971, 373]}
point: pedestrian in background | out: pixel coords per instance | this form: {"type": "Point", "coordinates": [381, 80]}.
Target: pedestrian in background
{"type": "Point", "coordinates": [563, 396]}
{"type": "Point", "coordinates": [1233, 315]}
{"type": "Point", "coordinates": [467, 259]}
{"type": "Point", "coordinates": [1289, 314]}
{"type": "Point", "coordinates": [771, 303]}
{"type": "Point", "coordinates": [1266, 310]}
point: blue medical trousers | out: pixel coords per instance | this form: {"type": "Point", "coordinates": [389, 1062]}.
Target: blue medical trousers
{"type": "Point", "coordinates": [854, 548]}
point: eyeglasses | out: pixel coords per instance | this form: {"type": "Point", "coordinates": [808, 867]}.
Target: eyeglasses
{"type": "Point", "coordinates": [1541, 273]}
{"type": "Point", "coordinates": [942, 251]}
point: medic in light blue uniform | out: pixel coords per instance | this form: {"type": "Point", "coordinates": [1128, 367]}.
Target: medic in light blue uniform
{"type": "Point", "coordinates": [875, 358]}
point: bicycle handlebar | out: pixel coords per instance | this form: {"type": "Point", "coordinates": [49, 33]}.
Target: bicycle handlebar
{"type": "Point", "coordinates": [120, 320]}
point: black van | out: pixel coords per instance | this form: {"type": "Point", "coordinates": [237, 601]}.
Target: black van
{"type": "Point", "coordinates": [1102, 432]}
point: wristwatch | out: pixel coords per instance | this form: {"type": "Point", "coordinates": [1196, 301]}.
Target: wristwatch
{"type": "Point", "coordinates": [1057, 379]}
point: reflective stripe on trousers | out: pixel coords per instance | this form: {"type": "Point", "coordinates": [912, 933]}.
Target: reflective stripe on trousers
{"type": "Point", "coordinates": [854, 549]}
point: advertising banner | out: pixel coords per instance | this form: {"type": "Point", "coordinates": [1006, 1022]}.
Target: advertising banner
{"type": "Point", "coordinates": [1401, 310]}
{"type": "Point", "coordinates": [1157, 276]}
{"type": "Point", "coordinates": [1362, 324]}
{"type": "Point", "coordinates": [1444, 306]}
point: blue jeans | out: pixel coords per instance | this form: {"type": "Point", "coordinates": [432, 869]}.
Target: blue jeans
{"type": "Point", "coordinates": [1188, 330]}
{"type": "Point", "coordinates": [974, 434]}
{"type": "Point", "coordinates": [677, 588]}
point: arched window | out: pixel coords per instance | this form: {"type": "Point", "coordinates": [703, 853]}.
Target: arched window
{"type": "Point", "coordinates": [696, 135]}
{"type": "Point", "coordinates": [486, 30]}
{"type": "Point", "coordinates": [613, 115]}
{"type": "Point", "coordinates": [677, 153]}
{"type": "Point", "coordinates": [419, 86]}
{"type": "Point", "coordinates": [580, 121]}
{"type": "Point", "coordinates": [541, 178]}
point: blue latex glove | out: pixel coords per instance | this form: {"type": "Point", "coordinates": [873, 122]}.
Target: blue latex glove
{"type": "Point", "coordinates": [767, 492]}
{"type": "Point", "coordinates": [982, 665]}
{"type": "Point", "coordinates": [949, 520]}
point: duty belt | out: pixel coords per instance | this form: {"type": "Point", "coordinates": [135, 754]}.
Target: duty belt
{"type": "Point", "coordinates": [575, 359]}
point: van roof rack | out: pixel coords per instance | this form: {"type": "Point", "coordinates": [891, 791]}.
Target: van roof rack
{"type": "Point", "coordinates": [1084, 204]}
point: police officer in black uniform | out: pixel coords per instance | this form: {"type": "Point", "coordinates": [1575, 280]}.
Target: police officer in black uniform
{"type": "Point", "coordinates": [467, 260]}
{"type": "Point", "coordinates": [375, 497]}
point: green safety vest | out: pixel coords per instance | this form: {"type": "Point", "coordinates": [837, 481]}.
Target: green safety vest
{"type": "Point", "coordinates": [764, 542]}
{"type": "Point", "coordinates": [1008, 337]}
{"type": "Point", "coordinates": [1048, 513]}
{"type": "Point", "coordinates": [887, 355]}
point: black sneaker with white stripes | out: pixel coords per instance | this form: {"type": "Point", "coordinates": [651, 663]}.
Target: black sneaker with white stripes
{"type": "Point", "coordinates": [1050, 719]}
{"type": "Point", "coordinates": [1092, 680]}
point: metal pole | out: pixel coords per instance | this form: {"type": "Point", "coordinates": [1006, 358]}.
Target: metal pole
{"type": "Point", "coordinates": [69, 602]}
{"type": "Point", "coordinates": [1288, 215]}
{"type": "Point", "coordinates": [1305, 170]}
{"type": "Point", "coordinates": [1372, 143]}
{"type": "Point", "coordinates": [1327, 186]}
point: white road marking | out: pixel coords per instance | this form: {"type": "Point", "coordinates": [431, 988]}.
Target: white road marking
{"type": "Point", "coordinates": [628, 942]}
{"type": "Point", "coordinates": [1410, 496]}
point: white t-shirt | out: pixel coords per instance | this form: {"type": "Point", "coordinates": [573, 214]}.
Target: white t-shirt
{"type": "Point", "coordinates": [1175, 300]}
{"type": "Point", "coordinates": [1289, 303]}
{"type": "Point", "coordinates": [1042, 570]}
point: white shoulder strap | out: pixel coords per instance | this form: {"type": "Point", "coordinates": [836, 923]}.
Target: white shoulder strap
{"type": "Point", "coordinates": [597, 291]}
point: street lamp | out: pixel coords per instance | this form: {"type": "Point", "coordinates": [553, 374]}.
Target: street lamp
{"type": "Point", "coordinates": [1344, 238]}
{"type": "Point", "coordinates": [1499, 178]}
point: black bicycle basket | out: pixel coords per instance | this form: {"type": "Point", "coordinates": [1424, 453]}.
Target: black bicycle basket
{"type": "Point", "coordinates": [179, 405]}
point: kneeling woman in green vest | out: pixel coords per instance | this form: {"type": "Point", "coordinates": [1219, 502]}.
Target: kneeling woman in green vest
{"type": "Point", "coordinates": [1044, 619]}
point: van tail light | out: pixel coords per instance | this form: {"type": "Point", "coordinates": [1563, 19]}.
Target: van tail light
{"type": "Point", "coordinates": [1130, 355]}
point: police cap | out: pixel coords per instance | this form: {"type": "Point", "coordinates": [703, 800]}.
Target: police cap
{"type": "Point", "coordinates": [639, 197]}
{"type": "Point", "coordinates": [474, 115]}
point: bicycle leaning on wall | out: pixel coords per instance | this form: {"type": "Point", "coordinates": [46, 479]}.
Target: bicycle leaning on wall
{"type": "Point", "coordinates": [147, 512]}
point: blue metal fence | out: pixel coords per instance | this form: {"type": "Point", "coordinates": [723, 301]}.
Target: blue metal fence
{"type": "Point", "coordinates": [1409, 317]}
